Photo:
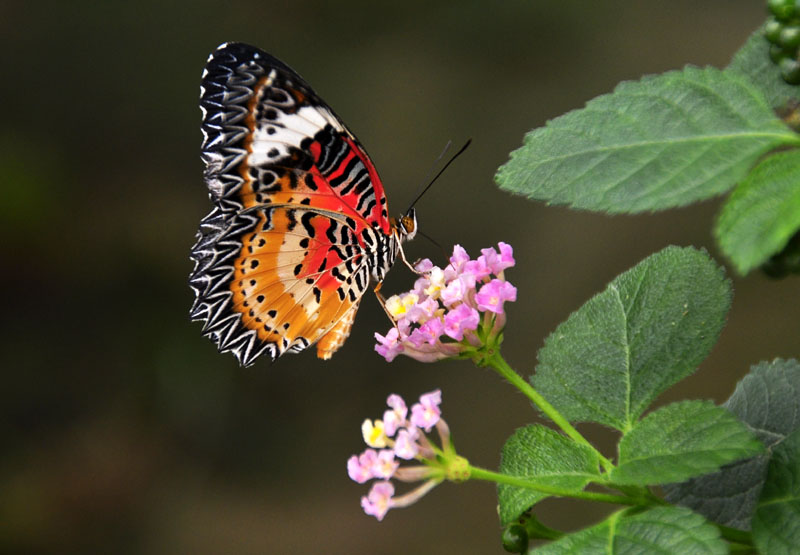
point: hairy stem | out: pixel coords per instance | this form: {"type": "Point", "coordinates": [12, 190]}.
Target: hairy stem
{"type": "Point", "coordinates": [483, 474]}
{"type": "Point", "coordinates": [497, 362]}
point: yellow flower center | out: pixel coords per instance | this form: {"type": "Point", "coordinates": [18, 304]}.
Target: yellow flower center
{"type": "Point", "coordinates": [373, 433]}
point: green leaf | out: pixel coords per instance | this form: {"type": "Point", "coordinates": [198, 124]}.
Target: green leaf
{"type": "Point", "coordinates": [664, 141]}
{"type": "Point", "coordinates": [680, 441]}
{"type": "Point", "coordinates": [752, 61]}
{"type": "Point", "coordinates": [762, 213]}
{"type": "Point", "coordinates": [540, 454]}
{"type": "Point", "coordinates": [658, 530]}
{"type": "Point", "coordinates": [649, 329]}
{"type": "Point", "coordinates": [776, 524]}
{"type": "Point", "coordinates": [767, 400]}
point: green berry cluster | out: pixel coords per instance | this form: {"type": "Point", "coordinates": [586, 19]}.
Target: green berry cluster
{"type": "Point", "coordinates": [783, 32]}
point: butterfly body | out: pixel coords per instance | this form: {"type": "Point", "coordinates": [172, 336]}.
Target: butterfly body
{"type": "Point", "coordinates": [300, 226]}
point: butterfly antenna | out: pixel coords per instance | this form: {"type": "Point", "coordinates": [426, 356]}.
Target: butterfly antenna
{"type": "Point", "coordinates": [433, 167]}
{"type": "Point", "coordinates": [432, 181]}
{"type": "Point", "coordinates": [435, 242]}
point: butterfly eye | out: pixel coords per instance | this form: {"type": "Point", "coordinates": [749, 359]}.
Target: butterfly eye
{"type": "Point", "coordinates": [408, 223]}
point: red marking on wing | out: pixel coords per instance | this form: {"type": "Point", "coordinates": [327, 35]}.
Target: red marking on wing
{"type": "Point", "coordinates": [321, 255]}
{"type": "Point", "coordinates": [377, 186]}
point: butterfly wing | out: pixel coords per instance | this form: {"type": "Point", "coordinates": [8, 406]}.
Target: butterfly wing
{"type": "Point", "coordinates": [299, 224]}
{"type": "Point", "coordinates": [268, 138]}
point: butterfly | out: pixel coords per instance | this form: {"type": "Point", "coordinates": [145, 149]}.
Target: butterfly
{"type": "Point", "coordinates": [299, 227]}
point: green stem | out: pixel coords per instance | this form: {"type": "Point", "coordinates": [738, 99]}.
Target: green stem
{"type": "Point", "coordinates": [496, 361]}
{"type": "Point", "coordinates": [489, 476]}
{"type": "Point", "coordinates": [538, 530]}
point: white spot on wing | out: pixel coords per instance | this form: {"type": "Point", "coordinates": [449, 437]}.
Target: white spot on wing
{"type": "Point", "coordinates": [290, 131]}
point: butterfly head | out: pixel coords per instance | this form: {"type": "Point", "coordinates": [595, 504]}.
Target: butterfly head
{"type": "Point", "coordinates": [406, 226]}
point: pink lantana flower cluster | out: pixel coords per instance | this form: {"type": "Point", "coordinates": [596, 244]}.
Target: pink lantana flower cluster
{"type": "Point", "coordinates": [400, 436]}
{"type": "Point", "coordinates": [450, 311]}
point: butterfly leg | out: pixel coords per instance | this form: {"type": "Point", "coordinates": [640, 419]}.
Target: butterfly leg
{"type": "Point", "coordinates": [407, 263]}
{"type": "Point", "coordinates": [382, 301]}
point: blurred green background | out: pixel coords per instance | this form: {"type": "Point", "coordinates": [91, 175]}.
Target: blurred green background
{"type": "Point", "coordinates": [124, 431]}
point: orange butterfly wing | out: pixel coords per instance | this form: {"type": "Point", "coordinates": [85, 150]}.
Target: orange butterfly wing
{"type": "Point", "coordinates": [300, 225]}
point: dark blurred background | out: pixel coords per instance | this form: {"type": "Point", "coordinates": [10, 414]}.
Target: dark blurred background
{"type": "Point", "coordinates": [124, 431]}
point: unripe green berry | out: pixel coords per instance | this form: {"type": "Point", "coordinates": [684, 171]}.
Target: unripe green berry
{"type": "Point", "coordinates": [790, 70]}
{"type": "Point", "coordinates": [777, 54]}
{"type": "Point", "coordinates": [515, 539]}
{"type": "Point", "coordinates": [790, 38]}
{"type": "Point", "coordinates": [783, 10]}
{"type": "Point", "coordinates": [772, 30]}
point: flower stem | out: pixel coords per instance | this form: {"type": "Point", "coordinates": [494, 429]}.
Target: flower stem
{"type": "Point", "coordinates": [483, 474]}
{"type": "Point", "coordinates": [496, 361]}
